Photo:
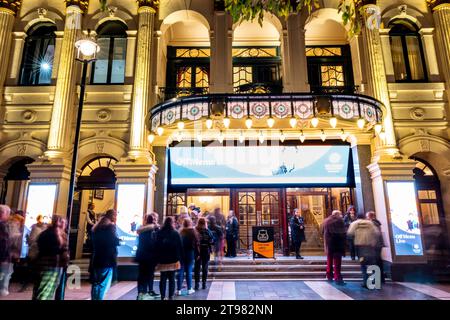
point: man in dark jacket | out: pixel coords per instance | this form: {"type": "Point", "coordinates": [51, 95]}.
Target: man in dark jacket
{"type": "Point", "coordinates": [104, 255]}
{"type": "Point", "coordinates": [6, 267]}
{"type": "Point", "coordinates": [334, 234]}
{"type": "Point", "coordinates": [297, 225]}
{"type": "Point", "coordinates": [232, 234]}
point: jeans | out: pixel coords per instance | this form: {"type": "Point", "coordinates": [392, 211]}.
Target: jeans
{"type": "Point", "coordinates": [146, 277]}
{"type": "Point", "coordinates": [6, 270]}
{"type": "Point", "coordinates": [334, 262]}
{"type": "Point", "coordinates": [101, 282]}
{"type": "Point", "coordinates": [186, 268]}
{"type": "Point", "coordinates": [167, 275]}
{"type": "Point", "coordinates": [202, 263]}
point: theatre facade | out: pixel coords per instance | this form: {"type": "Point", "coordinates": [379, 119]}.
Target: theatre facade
{"type": "Point", "coordinates": [183, 106]}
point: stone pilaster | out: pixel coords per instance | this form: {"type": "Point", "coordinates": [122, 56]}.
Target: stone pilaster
{"type": "Point", "coordinates": [63, 106]}
{"type": "Point", "coordinates": [142, 81]}
{"type": "Point", "coordinates": [82, 4]}
{"type": "Point", "coordinates": [441, 16]}
{"type": "Point", "coordinates": [8, 9]}
{"type": "Point", "coordinates": [376, 77]}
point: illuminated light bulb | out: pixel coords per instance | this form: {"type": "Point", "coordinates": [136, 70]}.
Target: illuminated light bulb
{"type": "Point", "coordinates": [180, 125]}
{"type": "Point", "coordinates": [179, 136]}
{"type": "Point", "coordinates": [87, 47]}
{"type": "Point", "coordinates": [270, 122]}
{"type": "Point", "coordinates": [314, 122]}
{"type": "Point", "coordinates": [220, 137]}
{"type": "Point", "coordinates": [160, 131]}
{"type": "Point", "coordinates": [45, 66]}
{"type": "Point", "coordinates": [333, 122]}
{"type": "Point", "coordinates": [293, 122]}
{"type": "Point", "coordinates": [378, 127]}
{"type": "Point", "coordinates": [248, 123]}
{"type": "Point", "coordinates": [302, 137]}
{"type": "Point", "coordinates": [151, 138]}
{"type": "Point", "coordinates": [282, 137]}
{"type": "Point", "coordinates": [261, 137]}
{"type": "Point", "coordinates": [209, 123]}
{"type": "Point", "coordinates": [226, 122]}
{"type": "Point", "coordinates": [241, 138]}
{"type": "Point", "coordinates": [361, 122]}
{"type": "Point", "coordinates": [343, 135]}
{"type": "Point", "coordinates": [323, 136]}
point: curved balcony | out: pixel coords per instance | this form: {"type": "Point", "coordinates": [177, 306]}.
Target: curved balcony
{"type": "Point", "coordinates": [285, 111]}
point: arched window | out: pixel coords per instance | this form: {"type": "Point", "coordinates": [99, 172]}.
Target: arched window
{"type": "Point", "coordinates": [407, 52]}
{"type": "Point", "coordinates": [109, 68]}
{"type": "Point", "coordinates": [37, 62]}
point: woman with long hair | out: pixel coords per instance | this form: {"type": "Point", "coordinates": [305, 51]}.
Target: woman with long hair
{"type": "Point", "coordinates": [206, 241]}
{"type": "Point", "coordinates": [52, 258]}
{"type": "Point", "coordinates": [190, 253]}
{"type": "Point", "coordinates": [169, 253]}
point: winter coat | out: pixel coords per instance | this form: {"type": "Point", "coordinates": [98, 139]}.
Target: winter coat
{"type": "Point", "coordinates": [380, 244]}
{"type": "Point", "coordinates": [232, 229]}
{"type": "Point", "coordinates": [53, 251]}
{"type": "Point", "coordinates": [5, 256]}
{"type": "Point", "coordinates": [36, 230]}
{"type": "Point", "coordinates": [333, 231]}
{"type": "Point", "coordinates": [364, 233]}
{"type": "Point", "coordinates": [15, 225]}
{"type": "Point", "coordinates": [297, 225]}
{"type": "Point", "coordinates": [146, 251]}
{"type": "Point", "coordinates": [348, 220]}
{"type": "Point", "coordinates": [169, 246]}
{"type": "Point", "coordinates": [104, 244]}
{"type": "Point", "coordinates": [191, 245]}
{"type": "Point", "coordinates": [206, 240]}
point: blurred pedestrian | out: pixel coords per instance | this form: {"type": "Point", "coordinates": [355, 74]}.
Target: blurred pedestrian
{"type": "Point", "coordinates": [104, 254]}
{"type": "Point", "coordinates": [371, 215]}
{"type": "Point", "coordinates": [297, 225]}
{"type": "Point", "coordinates": [218, 237]}
{"type": "Point", "coordinates": [206, 240]}
{"type": "Point", "coordinates": [349, 217]}
{"type": "Point", "coordinates": [232, 234]}
{"type": "Point", "coordinates": [333, 231]}
{"type": "Point", "coordinates": [146, 257]}
{"type": "Point", "coordinates": [170, 253]}
{"type": "Point", "coordinates": [52, 258]}
{"type": "Point", "coordinates": [366, 237]}
{"type": "Point", "coordinates": [191, 252]}
{"type": "Point", "coordinates": [6, 267]}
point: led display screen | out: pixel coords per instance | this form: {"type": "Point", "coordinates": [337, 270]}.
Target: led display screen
{"type": "Point", "coordinates": [40, 201]}
{"type": "Point", "coordinates": [404, 218]}
{"type": "Point", "coordinates": [130, 210]}
{"type": "Point", "coordinates": [258, 165]}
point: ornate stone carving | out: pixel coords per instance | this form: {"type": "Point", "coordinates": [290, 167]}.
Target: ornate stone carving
{"type": "Point", "coordinates": [83, 4]}
{"type": "Point", "coordinates": [100, 146]}
{"type": "Point", "coordinates": [112, 11]}
{"type": "Point", "coordinates": [433, 4]}
{"type": "Point", "coordinates": [11, 5]}
{"type": "Point", "coordinates": [154, 4]}
{"type": "Point", "coordinates": [21, 149]}
{"type": "Point", "coordinates": [417, 113]}
{"type": "Point", "coordinates": [29, 116]}
{"type": "Point", "coordinates": [424, 145]}
{"type": "Point", "coordinates": [103, 115]}
{"type": "Point", "coordinates": [42, 12]}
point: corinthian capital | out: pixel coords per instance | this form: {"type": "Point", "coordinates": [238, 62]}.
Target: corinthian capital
{"type": "Point", "coordinates": [82, 4]}
{"type": "Point", "coordinates": [434, 4]}
{"type": "Point", "coordinates": [154, 4]}
{"type": "Point", "coordinates": [12, 6]}
{"type": "Point", "coordinates": [362, 3]}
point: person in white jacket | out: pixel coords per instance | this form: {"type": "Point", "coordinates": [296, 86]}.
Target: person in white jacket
{"type": "Point", "coordinates": [365, 236]}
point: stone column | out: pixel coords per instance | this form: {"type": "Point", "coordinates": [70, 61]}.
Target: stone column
{"type": "Point", "coordinates": [142, 81]}
{"type": "Point", "coordinates": [441, 16]}
{"type": "Point", "coordinates": [376, 75]}
{"type": "Point", "coordinates": [63, 105]}
{"type": "Point", "coordinates": [295, 72]}
{"type": "Point", "coordinates": [8, 11]}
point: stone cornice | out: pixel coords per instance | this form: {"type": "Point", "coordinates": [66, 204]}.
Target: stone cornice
{"type": "Point", "coordinates": [82, 4]}
{"type": "Point", "coordinates": [154, 4]}
{"type": "Point", "coordinates": [12, 6]}
{"type": "Point", "coordinates": [434, 4]}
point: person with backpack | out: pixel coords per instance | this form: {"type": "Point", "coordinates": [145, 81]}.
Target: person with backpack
{"type": "Point", "coordinates": [206, 241]}
{"type": "Point", "coordinates": [190, 252]}
{"type": "Point", "coordinates": [146, 258]}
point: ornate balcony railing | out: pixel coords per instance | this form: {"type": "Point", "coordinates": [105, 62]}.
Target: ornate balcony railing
{"type": "Point", "coordinates": [166, 93]}
{"type": "Point", "coordinates": [301, 106]}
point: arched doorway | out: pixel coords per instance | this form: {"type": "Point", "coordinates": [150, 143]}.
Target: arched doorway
{"type": "Point", "coordinates": [431, 208]}
{"type": "Point", "coordinates": [15, 183]}
{"type": "Point", "coordinates": [94, 194]}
